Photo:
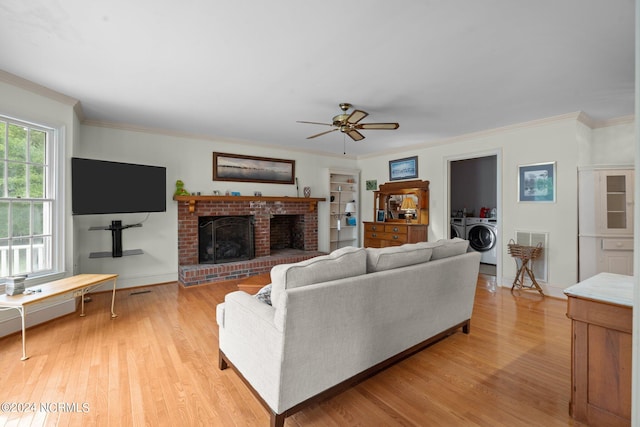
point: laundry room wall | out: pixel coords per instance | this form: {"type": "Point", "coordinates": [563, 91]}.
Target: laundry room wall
{"type": "Point", "coordinates": [473, 184]}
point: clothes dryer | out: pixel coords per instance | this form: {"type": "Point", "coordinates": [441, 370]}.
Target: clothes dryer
{"type": "Point", "coordinates": [458, 228]}
{"type": "Point", "coordinates": [482, 234]}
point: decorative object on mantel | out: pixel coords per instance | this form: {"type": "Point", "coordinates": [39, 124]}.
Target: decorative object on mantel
{"type": "Point", "coordinates": [192, 200]}
{"type": "Point", "coordinates": [180, 190]}
{"type": "Point", "coordinates": [236, 167]}
{"type": "Point", "coordinates": [307, 191]}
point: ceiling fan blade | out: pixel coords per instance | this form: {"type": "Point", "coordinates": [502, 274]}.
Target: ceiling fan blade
{"type": "Point", "coordinates": [356, 116]}
{"type": "Point", "coordinates": [355, 135]}
{"type": "Point", "coordinates": [314, 123]}
{"type": "Point", "coordinates": [322, 133]}
{"type": "Point", "coordinates": [378, 126]}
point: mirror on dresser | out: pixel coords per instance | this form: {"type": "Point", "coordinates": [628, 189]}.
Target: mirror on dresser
{"type": "Point", "coordinates": [401, 213]}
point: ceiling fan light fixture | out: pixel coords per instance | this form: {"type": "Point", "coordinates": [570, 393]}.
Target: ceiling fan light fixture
{"type": "Point", "coordinates": [349, 123]}
{"type": "Point", "coordinates": [340, 119]}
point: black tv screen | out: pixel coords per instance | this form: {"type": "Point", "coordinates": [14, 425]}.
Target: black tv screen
{"type": "Point", "coordinates": [102, 187]}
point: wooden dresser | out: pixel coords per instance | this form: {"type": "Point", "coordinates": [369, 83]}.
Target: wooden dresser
{"type": "Point", "coordinates": [394, 225]}
{"type": "Point", "coordinates": [601, 311]}
{"type": "Point", "coordinates": [383, 234]}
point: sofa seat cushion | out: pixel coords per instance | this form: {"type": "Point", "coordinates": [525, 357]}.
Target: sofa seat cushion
{"type": "Point", "coordinates": [380, 259]}
{"type": "Point", "coordinates": [445, 248]}
{"type": "Point", "coordinates": [339, 264]}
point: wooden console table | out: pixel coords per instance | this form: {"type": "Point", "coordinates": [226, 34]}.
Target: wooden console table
{"type": "Point", "coordinates": [78, 285]}
{"type": "Point", "coordinates": [601, 313]}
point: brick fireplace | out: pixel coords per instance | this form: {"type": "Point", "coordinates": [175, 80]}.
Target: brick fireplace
{"type": "Point", "coordinates": [285, 230]}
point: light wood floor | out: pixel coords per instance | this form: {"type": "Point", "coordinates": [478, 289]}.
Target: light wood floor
{"type": "Point", "coordinates": [156, 365]}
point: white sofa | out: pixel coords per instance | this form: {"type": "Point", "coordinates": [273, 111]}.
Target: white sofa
{"type": "Point", "coordinates": [339, 318]}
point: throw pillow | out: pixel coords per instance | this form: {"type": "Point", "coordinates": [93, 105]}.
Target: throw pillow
{"type": "Point", "coordinates": [339, 264]}
{"type": "Point", "coordinates": [449, 247]}
{"type": "Point", "coordinates": [264, 294]}
{"type": "Point", "coordinates": [380, 259]}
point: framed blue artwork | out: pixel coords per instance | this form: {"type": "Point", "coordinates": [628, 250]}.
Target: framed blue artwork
{"type": "Point", "coordinates": [403, 168]}
{"type": "Point", "coordinates": [537, 182]}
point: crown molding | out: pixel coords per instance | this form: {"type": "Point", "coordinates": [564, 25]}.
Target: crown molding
{"type": "Point", "coordinates": [624, 120]}
{"type": "Point", "coordinates": [30, 86]}
{"type": "Point", "coordinates": [478, 135]}
{"type": "Point", "coordinates": [579, 116]}
{"type": "Point", "coordinates": [187, 135]}
{"type": "Point", "coordinates": [596, 124]}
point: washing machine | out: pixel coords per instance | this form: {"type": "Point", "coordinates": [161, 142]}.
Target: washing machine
{"type": "Point", "coordinates": [458, 228]}
{"type": "Point", "coordinates": [482, 234]}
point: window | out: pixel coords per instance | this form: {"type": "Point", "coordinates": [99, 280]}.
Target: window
{"type": "Point", "coordinates": [27, 198]}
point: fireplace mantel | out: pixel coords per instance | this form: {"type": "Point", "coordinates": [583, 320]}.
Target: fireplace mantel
{"type": "Point", "coordinates": [192, 200]}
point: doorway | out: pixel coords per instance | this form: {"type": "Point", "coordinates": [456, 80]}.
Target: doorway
{"type": "Point", "coordinates": [474, 200]}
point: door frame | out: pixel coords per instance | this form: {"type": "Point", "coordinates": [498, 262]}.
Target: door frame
{"type": "Point", "coordinates": [447, 192]}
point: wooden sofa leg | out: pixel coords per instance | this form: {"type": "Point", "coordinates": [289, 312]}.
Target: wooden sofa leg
{"type": "Point", "coordinates": [466, 328]}
{"type": "Point", "coordinates": [277, 420]}
{"type": "Point", "coordinates": [222, 363]}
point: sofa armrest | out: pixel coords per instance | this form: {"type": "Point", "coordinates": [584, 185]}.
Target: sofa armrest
{"type": "Point", "coordinates": [251, 341]}
{"type": "Point", "coordinates": [248, 304]}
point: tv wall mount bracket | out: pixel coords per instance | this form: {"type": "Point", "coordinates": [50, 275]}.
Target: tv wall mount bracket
{"type": "Point", "coordinates": [116, 228]}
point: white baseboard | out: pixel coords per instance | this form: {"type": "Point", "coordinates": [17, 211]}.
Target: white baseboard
{"type": "Point", "coordinates": [10, 321]}
{"type": "Point", "coordinates": [124, 282]}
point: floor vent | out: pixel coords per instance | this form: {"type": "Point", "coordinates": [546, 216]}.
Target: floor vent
{"type": "Point", "coordinates": [540, 264]}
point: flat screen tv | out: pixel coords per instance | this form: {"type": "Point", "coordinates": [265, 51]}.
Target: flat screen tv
{"type": "Point", "coordinates": [103, 187]}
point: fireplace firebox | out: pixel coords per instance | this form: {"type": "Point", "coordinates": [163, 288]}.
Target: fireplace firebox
{"type": "Point", "coordinates": [224, 239]}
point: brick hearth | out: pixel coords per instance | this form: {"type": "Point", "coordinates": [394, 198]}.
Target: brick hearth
{"type": "Point", "coordinates": [262, 209]}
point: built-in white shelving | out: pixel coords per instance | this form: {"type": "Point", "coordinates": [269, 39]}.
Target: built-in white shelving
{"type": "Point", "coordinates": [344, 227]}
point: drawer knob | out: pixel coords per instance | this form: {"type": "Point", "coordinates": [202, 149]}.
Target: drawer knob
{"type": "Point", "coordinates": [374, 235]}
{"type": "Point", "coordinates": [395, 229]}
{"type": "Point", "coordinates": [374, 227]}
{"type": "Point", "coordinates": [395, 237]}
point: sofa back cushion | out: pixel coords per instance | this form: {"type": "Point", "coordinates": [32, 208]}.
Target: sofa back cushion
{"type": "Point", "coordinates": [380, 259]}
{"type": "Point", "coordinates": [445, 248]}
{"type": "Point", "coordinates": [339, 264]}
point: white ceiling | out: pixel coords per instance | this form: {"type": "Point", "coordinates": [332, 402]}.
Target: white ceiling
{"type": "Point", "coordinates": [247, 70]}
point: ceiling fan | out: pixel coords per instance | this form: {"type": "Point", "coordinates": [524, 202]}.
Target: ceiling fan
{"type": "Point", "coordinates": [350, 123]}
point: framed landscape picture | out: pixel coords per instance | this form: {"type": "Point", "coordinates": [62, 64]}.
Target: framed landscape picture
{"type": "Point", "coordinates": [537, 182]}
{"type": "Point", "coordinates": [403, 168]}
{"type": "Point", "coordinates": [236, 167]}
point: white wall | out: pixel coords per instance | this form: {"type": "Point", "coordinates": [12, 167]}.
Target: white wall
{"type": "Point", "coordinates": [563, 139]}
{"type": "Point", "coordinates": [544, 141]}
{"type": "Point", "coordinates": [191, 160]}
{"type": "Point", "coordinates": [473, 184]}
{"type": "Point", "coordinates": [613, 145]}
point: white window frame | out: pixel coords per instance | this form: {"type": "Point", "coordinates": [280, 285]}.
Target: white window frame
{"type": "Point", "coordinates": [55, 190]}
